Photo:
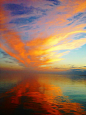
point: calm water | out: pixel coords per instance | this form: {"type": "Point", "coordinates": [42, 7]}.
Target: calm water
{"type": "Point", "coordinates": [42, 94]}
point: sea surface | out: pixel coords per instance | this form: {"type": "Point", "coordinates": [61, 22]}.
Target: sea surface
{"type": "Point", "coordinates": [42, 94]}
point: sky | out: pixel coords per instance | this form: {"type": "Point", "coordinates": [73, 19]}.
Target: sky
{"type": "Point", "coordinates": [43, 35]}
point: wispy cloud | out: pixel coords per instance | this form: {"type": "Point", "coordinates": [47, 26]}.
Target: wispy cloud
{"type": "Point", "coordinates": [49, 28]}
{"type": "Point", "coordinates": [3, 54]}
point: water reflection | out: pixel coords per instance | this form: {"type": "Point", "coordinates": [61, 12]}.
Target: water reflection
{"type": "Point", "coordinates": [38, 95]}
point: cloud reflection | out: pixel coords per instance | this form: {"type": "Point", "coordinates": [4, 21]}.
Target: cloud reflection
{"type": "Point", "coordinates": [39, 97]}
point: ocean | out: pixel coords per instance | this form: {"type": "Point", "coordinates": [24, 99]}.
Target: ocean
{"type": "Point", "coordinates": [42, 94]}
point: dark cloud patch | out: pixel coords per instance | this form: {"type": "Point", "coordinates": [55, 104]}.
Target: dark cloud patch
{"type": "Point", "coordinates": [8, 62]}
{"type": "Point", "coordinates": [84, 66]}
{"type": "Point", "coordinates": [43, 11]}
{"type": "Point", "coordinates": [70, 19]}
{"type": "Point", "coordinates": [13, 7]}
{"type": "Point", "coordinates": [20, 64]}
{"type": "Point", "coordinates": [73, 67]}
{"type": "Point", "coordinates": [29, 57]}
{"type": "Point", "coordinates": [19, 9]}
{"type": "Point", "coordinates": [12, 58]}
{"type": "Point", "coordinates": [25, 20]}
{"type": "Point", "coordinates": [26, 27]}
{"type": "Point", "coordinates": [20, 12]}
{"type": "Point", "coordinates": [77, 16]}
{"type": "Point", "coordinates": [78, 71]}
{"type": "Point", "coordinates": [55, 2]}
{"type": "Point", "coordinates": [70, 23]}
{"type": "Point", "coordinates": [80, 17]}
{"type": "Point", "coordinates": [83, 20]}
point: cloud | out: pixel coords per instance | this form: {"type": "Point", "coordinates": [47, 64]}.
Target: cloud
{"type": "Point", "coordinates": [57, 68]}
{"type": "Point", "coordinates": [3, 54]}
{"type": "Point", "coordinates": [24, 20]}
{"type": "Point", "coordinates": [69, 45]}
{"type": "Point", "coordinates": [8, 62]}
{"type": "Point", "coordinates": [78, 71]}
{"type": "Point", "coordinates": [73, 67]}
{"type": "Point", "coordinates": [14, 46]}
{"type": "Point", "coordinates": [21, 9]}
{"type": "Point", "coordinates": [55, 2]}
{"type": "Point", "coordinates": [14, 7]}
{"type": "Point", "coordinates": [48, 31]}
{"type": "Point", "coordinates": [84, 66]}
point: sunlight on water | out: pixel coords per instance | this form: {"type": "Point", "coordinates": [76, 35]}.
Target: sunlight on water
{"type": "Point", "coordinates": [42, 94]}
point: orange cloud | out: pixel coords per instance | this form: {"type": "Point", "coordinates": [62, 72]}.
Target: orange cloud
{"type": "Point", "coordinates": [43, 51]}
{"type": "Point", "coordinates": [70, 45]}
